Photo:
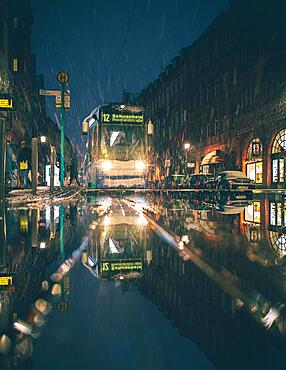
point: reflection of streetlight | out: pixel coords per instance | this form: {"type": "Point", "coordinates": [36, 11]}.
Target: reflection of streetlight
{"type": "Point", "coordinates": [43, 139]}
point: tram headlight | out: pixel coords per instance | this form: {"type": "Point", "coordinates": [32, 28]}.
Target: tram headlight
{"type": "Point", "coordinates": [106, 165]}
{"type": "Point", "coordinates": [140, 166]}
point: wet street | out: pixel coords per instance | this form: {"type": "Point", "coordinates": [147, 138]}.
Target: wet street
{"type": "Point", "coordinates": [160, 280]}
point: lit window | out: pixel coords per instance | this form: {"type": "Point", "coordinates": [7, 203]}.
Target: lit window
{"type": "Point", "coordinates": [15, 22]}
{"type": "Point", "coordinates": [15, 65]}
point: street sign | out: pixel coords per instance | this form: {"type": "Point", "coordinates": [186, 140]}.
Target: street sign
{"type": "Point", "coordinates": [67, 102]}
{"type": "Point", "coordinates": [50, 92]}
{"type": "Point", "coordinates": [62, 306]}
{"type": "Point", "coordinates": [63, 77]}
{"type": "Point", "coordinates": [6, 103]}
{"type": "Point", "coordinates": [66, 285]}
{"type": "Point", "coordinates": [58, 101]}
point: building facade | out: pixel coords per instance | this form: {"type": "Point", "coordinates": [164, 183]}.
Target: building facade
{"type": "Point", "coordinates": [19, 79]}
{"type": "Point", "coordinates": [225, 96]}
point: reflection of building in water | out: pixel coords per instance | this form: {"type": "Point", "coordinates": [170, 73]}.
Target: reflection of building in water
{"type": "Point", "coordinates": [277, 224]}
{"type": "Point", "coordinates": [252, 222]}
{"type": "Point", "coordinates": [202, 311]}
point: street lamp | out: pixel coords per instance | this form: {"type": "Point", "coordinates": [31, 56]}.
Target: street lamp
{"type": "Point", "coordinates": [43, 139]}
{"type": "Point", "coordinates": [187, 146]}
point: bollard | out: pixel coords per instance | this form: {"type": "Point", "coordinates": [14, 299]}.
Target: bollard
{"type": "Point", "coordinates": [53, 162]}
{"type": "Point", "coordinates": [35, 164]}
{"type": "Point", "coordinates": [2, 158]}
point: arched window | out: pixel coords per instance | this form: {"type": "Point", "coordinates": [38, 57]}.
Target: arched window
{"type": "Point", "coordinates": [254, 161]}
{"type": "Point", "coordinates": [278, 156]}
{"type": "Point", "coordinates": [278, 241]}
{"type": "Point", "coordinates": [279, 143]}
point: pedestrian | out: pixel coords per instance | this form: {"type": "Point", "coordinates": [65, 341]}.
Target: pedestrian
{"type": "Point", "coordinates": [74, 170]}
{"type": "Point", "coordinates": [24, 161]}
{"type": "Point", "coordinates": [9, 164]}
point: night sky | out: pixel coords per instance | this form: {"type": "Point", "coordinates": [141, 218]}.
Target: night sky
{"type": "Point", "coordinates": [89, 39]}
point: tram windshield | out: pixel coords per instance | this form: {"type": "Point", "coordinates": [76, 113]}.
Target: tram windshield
{"type": "Point", "coordinates": [122, 142]}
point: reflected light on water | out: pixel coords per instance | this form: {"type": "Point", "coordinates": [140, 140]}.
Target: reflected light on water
{"type": "Point", "coordinates": [23, 327]}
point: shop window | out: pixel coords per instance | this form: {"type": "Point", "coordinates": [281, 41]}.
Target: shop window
{"type": "Point", "coordinates": [275, 170]}
{"type": "Point", "coordinates": [272, 214]}
{"type": "Point", "coordinates": [254, 164]}
{"type": "Point", "coordinates": [278, 157]}
{"type": "Point", "coordinates": [252, 212]}
{"type": "Point", "coordinates": [277, 214]}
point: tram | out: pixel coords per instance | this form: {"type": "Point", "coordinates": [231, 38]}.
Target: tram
{"type": "Point", "coordinates": [117, 155]}
{"type": "Point", "coordinates": [118, 248]}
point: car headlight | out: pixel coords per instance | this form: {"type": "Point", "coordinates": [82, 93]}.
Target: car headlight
{"type": "Point", "coordinates": [139, 165]}
{"type": "Point", "coordinates": [107, 165]}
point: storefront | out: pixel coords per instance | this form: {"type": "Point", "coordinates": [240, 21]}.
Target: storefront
{"type": "Point", "coordinates": [212, 162]}
{"type": "Point", "coordinates": [254, 163]}
{"type": "Point", "coordinates": [278, 156]}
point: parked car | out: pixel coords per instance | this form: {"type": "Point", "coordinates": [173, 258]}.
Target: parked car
{"type": "Point", "coordinates": [200, 181]}
{"type": "Point", "coordinates": [233, 184]}
{"type": "Point", "coordinates": [233, 207]}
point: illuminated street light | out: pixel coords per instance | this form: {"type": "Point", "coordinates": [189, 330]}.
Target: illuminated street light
{"type": "Point", "coordinates": [43, 139]}
{"type": "Point", "coordinates": [187, 146]}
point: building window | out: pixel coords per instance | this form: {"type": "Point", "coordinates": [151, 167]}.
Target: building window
{"type": "Point", "coordinates": [15, 65]}
{"type": "Point", "coordinates": [277, 214]}
{"type": "Point", "coordinates": [278, 157]}
{"type": "Point", "coordinates": [278, 241]}
{"type": "Point", "coordinates": [254, 163]}
{"type": "Point", "coordinates": [15, 22]}
{"type": "Point", "coordinates": [252, 212]}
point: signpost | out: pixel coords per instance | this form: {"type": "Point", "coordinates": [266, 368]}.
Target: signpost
{"type": "Point", "coordinates": [61, 95]}
{"type": "Point", "coordinates": [62, 78]}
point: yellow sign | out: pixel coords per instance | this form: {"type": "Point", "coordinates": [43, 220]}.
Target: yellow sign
{"type": "Point", "coordinates": [6, 104]}
{"type": "Point", "coordinates": [6, 281]}
{"type": "Point", "coordinates": [23, 165]}
{"type": "Point", "coordinates": [128, 118]}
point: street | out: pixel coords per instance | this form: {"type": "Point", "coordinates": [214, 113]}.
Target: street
{"type": "Point", "coordinates": [163, 280]}
{"type": "Point", "coordinates": [142, 185]}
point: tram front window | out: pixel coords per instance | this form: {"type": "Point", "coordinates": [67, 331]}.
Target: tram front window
{"type": "Point", "coordinates": [122, 143]}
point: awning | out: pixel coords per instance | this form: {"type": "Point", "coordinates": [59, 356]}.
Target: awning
{"type": "Point", "coordinates": [212, 158]}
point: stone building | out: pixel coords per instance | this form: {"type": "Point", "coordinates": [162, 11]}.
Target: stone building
{"type": "Point", "coordinates": [19, 78]}
{"type": "Point", "coordinates": [225, 95]}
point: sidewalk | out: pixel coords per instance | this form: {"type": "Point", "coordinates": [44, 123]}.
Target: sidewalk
{"type": "Point", "coordinates": [25, 196]}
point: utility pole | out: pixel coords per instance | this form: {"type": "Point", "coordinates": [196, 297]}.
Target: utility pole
{"type": "Point", "coordinates": [63, 78]}
{"type": "Point", "coordinates": [2, 158]}
{"type": "Point", "coordinates": [63, 103]}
